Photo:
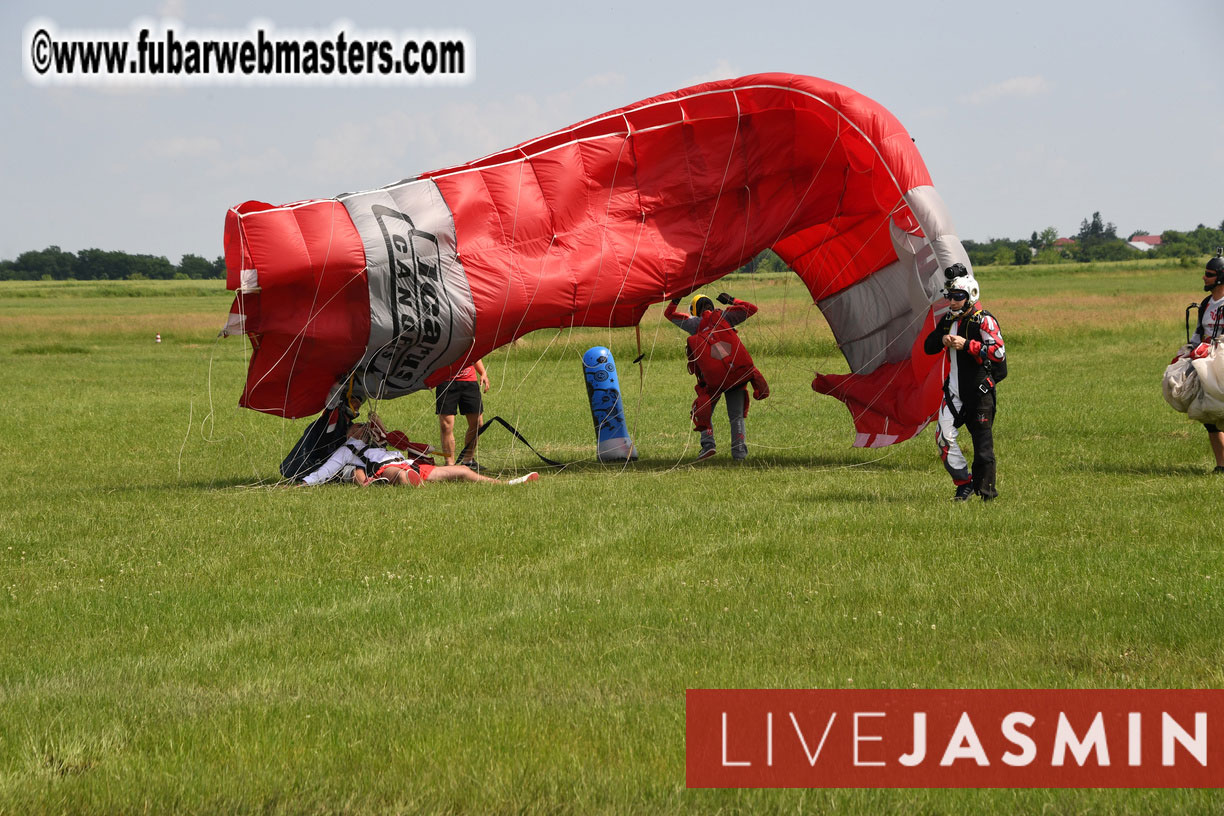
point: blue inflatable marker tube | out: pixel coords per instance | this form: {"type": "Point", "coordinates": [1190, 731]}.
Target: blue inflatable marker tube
{"type": "Point", "coordinates": [607, 409]}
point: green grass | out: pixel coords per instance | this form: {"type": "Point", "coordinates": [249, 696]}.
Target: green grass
{"type": "Point", "coordinates": [181, 636]}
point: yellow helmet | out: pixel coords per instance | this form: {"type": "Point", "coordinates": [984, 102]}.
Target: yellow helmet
{"type": "Point", "coordinates": [697, 298]}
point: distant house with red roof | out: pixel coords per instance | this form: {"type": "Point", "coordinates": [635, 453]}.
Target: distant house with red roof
{"type": "Point", "coordinates": [1144, 242]}
{"type": "Point", "coordinates": [1064, 243]}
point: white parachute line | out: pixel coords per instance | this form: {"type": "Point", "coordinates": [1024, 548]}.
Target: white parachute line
{"type": "Point", "coordinates": [684, 456]}
{"type": "Point", "coordinates": [208, 423]}
{"type": "Point", "coordinates": [186, 436]}
{"type": "Point", "coordinates": [700, 258]}
{"type": "Point", "coordinates": [637, 242]}
{"type": "Point", "coordinates": [210, 417]}
{"type": "Point", "coordinates": [535, 292]}
{"type": "Point", "coordinates": [603, 231]}
{"type": "Point", "coordinates": [331, 234]}
{"type": "Point", "coordinates": [539, 281]}
{"type": "Point", "coordinates": [722, 184]}
{"type": "Point", "coordinates": [208, 436]}
{"type": "Point", "coordinates": [302, 332]}
{"type": "Point", "coordinates": [811, 183]}
{"type": "Point", "coordinates": [624, 277]}
{"type": "Point", "coordinates": [798, 206]}
{"type": "Point", "coordinates": [522, 380]}
{"type": "Point", "coordinates": [642, 381]}
{"type": "Point", "coordinates": [916, 318]}
{"type": "Point", "coordinates": [518, 198]}
{"type": "Point", "coordinates": [312, 314]}
{"type": "Point", "coordinates": [531, 299]}
{"type": "Point", "coordinates": [772, 404]}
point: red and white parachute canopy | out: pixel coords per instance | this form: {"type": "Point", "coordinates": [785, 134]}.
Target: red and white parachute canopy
{"type": "Point", "coordinates": [395, 289]}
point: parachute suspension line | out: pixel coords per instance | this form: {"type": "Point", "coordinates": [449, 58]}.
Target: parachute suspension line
{"type": "Point", "coordinates": [518, 199]}
{"type": "Point", "coordinates": [208, 422]}
{"type": "Point", "coordinates": [803, 198]}
{"type": "Point", "coordinates": [531, 300]}
{"type": "Point", "coordinates": [619, 293]}
{"type": "Point", "coordinates": [637, 242]}
{"type": "Point", "coordinates": [314, 299]}
{"type": "Point", "coordinates": [919, 317]}
{"type": "Point", "coordinates": [770, 406]}
{"type": "Point", "coordinates": [186, 436]}
{"type": "Point", "coordinates": [799, 204]}
{"type": "Point", "coordinates": [824, 161]}
{"type": "Point", "coordinates": [637, 331]}
{"type": "Point", "coordinates": [523, 379]}
{"type": "Point", "coordinates": [603, 232]}
{"type": "Point", "coordinates": [312, 314]}
{"type": "Point", "coordinates": [722, 184]}
{"type": "Point", "coordinates": [506, 299]}
{"type": "Point", "coordinates": [837, 210]}
{"type": "Point", "coordinates": [535, 293]}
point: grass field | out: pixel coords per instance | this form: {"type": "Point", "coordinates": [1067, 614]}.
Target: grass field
{"type": "Point", "coordinates": [180, 636]}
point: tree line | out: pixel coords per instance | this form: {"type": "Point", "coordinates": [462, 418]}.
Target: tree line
{"type": "Point", "coordinates": [54, 263]}
{"type": "Point", "coordinates": [1097, 240]}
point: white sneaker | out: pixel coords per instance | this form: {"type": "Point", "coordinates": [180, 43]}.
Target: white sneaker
{"type": "Point", "coordinates": [530, 477]}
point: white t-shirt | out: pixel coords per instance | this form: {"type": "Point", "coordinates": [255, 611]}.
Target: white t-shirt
{"type": "Point", "coordinates": [953, 373]}
{"type": "Point", "coordinates": [1213, 315]}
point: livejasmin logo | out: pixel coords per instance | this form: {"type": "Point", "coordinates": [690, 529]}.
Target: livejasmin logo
{"type": "Point", "coordinates": [954, 738]}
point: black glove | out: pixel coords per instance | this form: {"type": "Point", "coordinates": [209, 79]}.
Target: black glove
{"type": "Point", "coordinates": [725, 299]}
{"type": "Point", "coordinates": [675, 301]}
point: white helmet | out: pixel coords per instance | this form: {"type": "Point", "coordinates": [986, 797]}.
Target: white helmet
{"type": "Point", "coordinates": [961, 280]}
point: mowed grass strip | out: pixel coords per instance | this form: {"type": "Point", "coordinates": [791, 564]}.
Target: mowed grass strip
{"type": "Point", "coordinates": [181, 635]}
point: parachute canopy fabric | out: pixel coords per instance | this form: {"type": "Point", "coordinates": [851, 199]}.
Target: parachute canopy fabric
{"type": "Point", "coordinates": [397, 288]}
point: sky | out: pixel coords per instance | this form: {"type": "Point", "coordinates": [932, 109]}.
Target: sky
{"type": "Point", "coordinates": [1028, 115]}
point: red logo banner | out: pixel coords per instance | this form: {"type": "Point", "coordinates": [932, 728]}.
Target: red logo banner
{"type": "Point", "coordinates": [954, 738]}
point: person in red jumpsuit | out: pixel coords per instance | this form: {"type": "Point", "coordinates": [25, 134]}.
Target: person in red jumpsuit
{"type": "Point", "coordinates": [722, 366]}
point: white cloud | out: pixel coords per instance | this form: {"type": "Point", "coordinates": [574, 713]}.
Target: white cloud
{"type": "Point", "coordinates": [239, 164]}
{"type": "Point", "coordinates": [185, 147]}
{"type": "Point", "coordinates": [610, 79]}
{"type": "Point", "coordinates": [721, 70]}
{"type": "Point", "coordinates": [1016, 87]}
{"type": "Point", "coordinates": [173, 9]}
{"type": "Point", "coordinates": [932, 112]}
{"type": "Point", "coordinates": [364, 154]}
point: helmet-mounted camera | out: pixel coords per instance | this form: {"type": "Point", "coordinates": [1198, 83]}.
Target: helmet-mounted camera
{"type": "Point", "coordinates": [959, 279]}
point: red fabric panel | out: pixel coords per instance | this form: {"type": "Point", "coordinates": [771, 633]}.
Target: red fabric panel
{"type": "Point", "coordinates": [897, 399]}
{"type": "Point", "coordinates": [310, 321]}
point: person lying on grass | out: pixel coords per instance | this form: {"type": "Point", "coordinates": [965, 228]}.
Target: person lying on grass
{"type": "Point", "coordinates": [373, 464]}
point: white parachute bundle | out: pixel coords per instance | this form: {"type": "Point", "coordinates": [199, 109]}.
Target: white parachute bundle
{"type": "Point", "coordinates": [1208, 405]}
{"type": "Point", "coordinates": [1181, 384]}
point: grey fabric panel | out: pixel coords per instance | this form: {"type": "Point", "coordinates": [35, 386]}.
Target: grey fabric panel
{"type": "Point", "coordinates": [421, 312]}
{"type": "Point", "coordinates": [875, 321]}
